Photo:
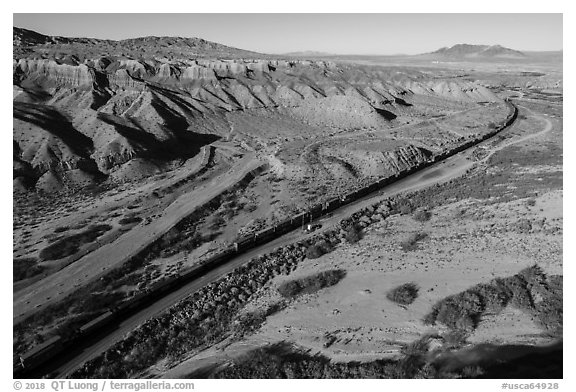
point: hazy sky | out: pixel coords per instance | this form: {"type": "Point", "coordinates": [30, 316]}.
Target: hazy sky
{"type": "Point", "coordinates": [333, 33]}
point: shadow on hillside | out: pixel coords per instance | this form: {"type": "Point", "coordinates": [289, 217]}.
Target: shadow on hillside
{"type": "Point", "coordinates": [56, 124]}
{"type": "Point", "coordinates": [388, 115]}
{"type": "Point", "coordinates": [508, 361]}
{"type": "Point", "coordinates": [182, 143]}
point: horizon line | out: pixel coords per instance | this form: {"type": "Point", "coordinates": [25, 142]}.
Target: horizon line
{"type": "Point", "coordinates": [287, 53]}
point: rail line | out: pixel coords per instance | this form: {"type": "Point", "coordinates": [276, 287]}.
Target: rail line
{"type": "Point", "coordinates": [32, 361]}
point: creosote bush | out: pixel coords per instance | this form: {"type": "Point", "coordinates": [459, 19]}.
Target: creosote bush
{"type": "Point", "coordinates": [353, 234]}
{"type": "Point", "coordinates": [318, 249]}
{"type": "Point", "coordinates": [422, 216]}
{"type": "Point", "coordinates": [411, 243]}
{"type": "Point", "coordinates": [311, 284]}
{"type": "Point", "coordinates": [404, 294]}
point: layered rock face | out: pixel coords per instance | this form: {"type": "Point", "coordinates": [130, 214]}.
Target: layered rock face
{"type": "Point", "coordinates": [94, 114]}
{"type": "Point", "coordinates": [355, 163]}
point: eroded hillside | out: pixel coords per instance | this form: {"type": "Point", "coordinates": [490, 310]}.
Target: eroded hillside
{"type": "Point", "coordinates": [77, 119]}
{"type": "Point", "coordinates": [134, 160]}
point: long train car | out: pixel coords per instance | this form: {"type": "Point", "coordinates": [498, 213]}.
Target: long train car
{"type": "Point", "coordinates": [133, 302]}
{"type": "Point", "coordinates": [164, 284]}
{"type": "Point", "coordinates": [285, 224]}
{"type": "Point", "coordinates": [35, 357]}
{"type": "Point", "coordinates": [315, 211]}
{"type": "Point", "coordinates": [97, 323]}
{"type": "Point", "coordinates": [264, 235]}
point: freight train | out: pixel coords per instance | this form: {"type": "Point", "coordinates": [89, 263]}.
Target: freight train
{"type": "Point", "coordinates": [55, 345]}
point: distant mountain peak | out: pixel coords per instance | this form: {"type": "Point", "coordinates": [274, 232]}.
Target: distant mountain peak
{"type": "Point", "coordinates": [470, 51]}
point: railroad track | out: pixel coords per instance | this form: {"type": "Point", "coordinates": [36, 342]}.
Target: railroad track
{"type": "Point", "coordinates": [32, 363]}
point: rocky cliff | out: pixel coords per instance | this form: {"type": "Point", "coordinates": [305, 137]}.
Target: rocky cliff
{"type": "Point", "coordinates": [93, 105]}
{"type": "Point", "coordinates": [355, 163]}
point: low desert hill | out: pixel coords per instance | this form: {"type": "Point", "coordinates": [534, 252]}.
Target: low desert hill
{"type": "Point", "coordinates": [66, 49]}
{"type": "Point", "coordinates": [477, 51]}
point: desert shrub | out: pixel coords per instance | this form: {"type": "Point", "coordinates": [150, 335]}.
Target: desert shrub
{"type": "Point", "coordinates": [25, 268]}
{"type": "Point", "coordinates": [314, 251]}
{"type": "Point", "coordinates": [550, 316]}
{"type": "Point", "coordinates": [411, 365]}
{"type": "Point", "coordinates": [311, 284]}
{"type": "Point", "coordinates": [69, 245]}
{"type": "Point", "coordinates": [411, 243]}
{"type": "Point", "coordinates": [422, 216]}
{"type": "Point", "coordinates": [523, 226]}
{"type": "Point", "coordinates": [129, 220]}
{"type": "Point", "coordinates": [555, 283]}
{"type": "Point", "coordinates": [318, 249]}
{"type": "Point", "coordinates": [353, 234]}
{"type": "Point", "coordinates": [531, 202]}
{"type": "Point", "coordinates": [533, 275]}
{"type": "Point", "coordinates": [454, 339]}
{"type": "Point", "coordinates": [226, 214]}
{"type": "Point", "coordinates": [60, 229]}
{"type": "Point", "coordinates": [516, 289]}
{"type": "Point", "coordinates": [405, 209]}
{"type": "Point", "coordinates": [549, 311]}
{"type": "Point", "coordinates": [404, 294]}
{"type": "Point", "coordinates": [494, 297]}
{"type": "Point", "coordinates": [251, 207]}
{"type": "Point", "coordinates": [417, 347]}
{"type": "Point", "coordinates": [546, 294]}
{"type": "Point", "coordinates": [460, 312]}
